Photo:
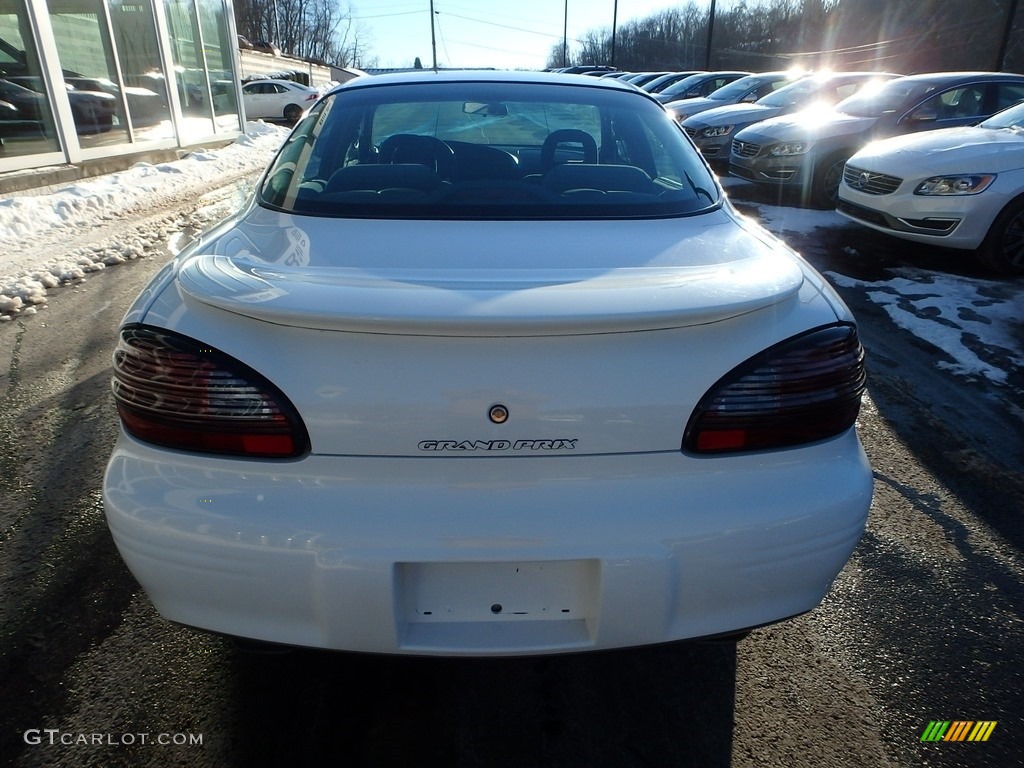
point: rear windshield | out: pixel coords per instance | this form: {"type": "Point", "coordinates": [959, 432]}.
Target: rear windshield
{"type": "Point", "coordinates": [488, 150]}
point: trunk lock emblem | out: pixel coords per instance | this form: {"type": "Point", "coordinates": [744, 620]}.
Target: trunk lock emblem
{"type": "Point", "coordinates": [498, 414]}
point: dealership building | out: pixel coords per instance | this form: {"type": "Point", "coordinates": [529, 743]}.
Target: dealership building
{"type": "Point", "coordinates": [88, 85]}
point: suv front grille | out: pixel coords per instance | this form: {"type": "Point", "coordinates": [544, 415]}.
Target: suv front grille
{"type": "Point", "coordinates": [869, 182]}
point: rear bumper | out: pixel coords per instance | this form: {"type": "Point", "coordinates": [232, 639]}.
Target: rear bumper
{"type": "Point", "coordinates": [486, 556]}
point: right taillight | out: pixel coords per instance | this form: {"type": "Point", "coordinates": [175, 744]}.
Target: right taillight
{"type": "Point", "coordinates": [804, 389]}
{"type": "Point", "coordinates": [176, 392]}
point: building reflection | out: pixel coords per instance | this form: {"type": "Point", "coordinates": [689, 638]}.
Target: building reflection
{"type": "Point", "coordinates": [85, 79]}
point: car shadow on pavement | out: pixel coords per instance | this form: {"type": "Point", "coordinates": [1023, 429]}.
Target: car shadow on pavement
{"type": "Point", "coordinates": [663, 705]}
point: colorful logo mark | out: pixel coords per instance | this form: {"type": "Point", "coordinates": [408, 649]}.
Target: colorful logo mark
{"type": "Point", "coordinates": [958, 730]}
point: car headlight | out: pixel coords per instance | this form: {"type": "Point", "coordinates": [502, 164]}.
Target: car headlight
{"type": "Point", "coordinates": [968, 184]}
{"type": "Point", "coordinates": [790, 148]}
{"type": "Point", "coordinates": [717, 130]}
{"type": "Point", "coordinates": [679, 116]}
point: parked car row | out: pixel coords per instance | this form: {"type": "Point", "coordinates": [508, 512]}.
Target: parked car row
{"type": "Point", "coordinates": [919, 157]}
{"type": "Point", "coordinates": [805, 152]}
{"type": "Point", "coordinates": [715, 130]}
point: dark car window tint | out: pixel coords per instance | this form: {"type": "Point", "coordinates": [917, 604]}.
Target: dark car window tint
{"type": "Point", "coordinates": [956, 103]}
{"type": "Point", "coordinates": [488, 150]}
{"type": "Point", "coordinates": [893, 96]}
{"type": "Point", "coordinates": [1008, 94]}
{"type": "Point", "coordinates": [846, 90]}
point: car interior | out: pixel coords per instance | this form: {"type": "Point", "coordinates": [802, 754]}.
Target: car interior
{"type": "Point", "coordinates": [518, 159]}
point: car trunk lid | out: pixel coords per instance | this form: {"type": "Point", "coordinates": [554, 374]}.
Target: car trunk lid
{"type": "Point", "coordinates": [508, 279]}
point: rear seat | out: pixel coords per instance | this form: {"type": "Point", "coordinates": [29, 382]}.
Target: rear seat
{"type": "Point", "coordinates": [570, 178]}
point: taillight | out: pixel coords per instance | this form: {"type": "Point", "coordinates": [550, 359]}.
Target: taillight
{"type": "Point", "coordinates": [174, 391]}
{"type": "Point", "coordinates": [804, 389]}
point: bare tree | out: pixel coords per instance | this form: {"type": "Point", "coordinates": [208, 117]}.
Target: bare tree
{"type": "Point", "coordinates": [758, 35]}
{"type": "Point", "coordinates": [321, 30]}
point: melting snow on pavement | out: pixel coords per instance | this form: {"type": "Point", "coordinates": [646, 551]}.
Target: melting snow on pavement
{"type": "Point", "coordinates": [976, 322]}
{"type": "Point", "coordinates": [973, 321]}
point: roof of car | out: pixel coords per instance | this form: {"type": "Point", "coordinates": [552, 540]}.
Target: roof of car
{"type": "Point", "coordinates": [274, 80]}
{"type": "Point", "coordinates": [955, 77]}
{"type": "Point", "coordinates": [484, 76]}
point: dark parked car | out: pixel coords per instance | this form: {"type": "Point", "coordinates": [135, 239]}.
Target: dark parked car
{"type": "Point", "coordinates": [697, 85]}
{"type": "Point", "coordinates": [93, 111]}
{"type": "Point", "coordinates": [746, 90]}
{"type": "Point", "coordinates": [713, 131]}
{"type": "Point", "coordinates": [659, 84]}
{"type": "Point", "coordinates": [146, 106]}
{"type": "Point", "coordinates": [808, 155]}
{"type": "Point", "coordinates": [266, 46]}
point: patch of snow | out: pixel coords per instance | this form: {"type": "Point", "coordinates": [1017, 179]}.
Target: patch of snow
{"type": "Point", "coordinates": [27, 273]}
{"type": "Point", "coordinates": [970, 320]}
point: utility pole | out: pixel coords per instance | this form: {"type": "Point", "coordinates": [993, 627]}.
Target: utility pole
{"type": "Point", "coordinates": [565, 36]}
{"type": "Point", "coordinates": [433, 40]}
{"type": "Point", "coordinates": [711, 29]}
{"type": "Point", "coordinates": [615, 19]}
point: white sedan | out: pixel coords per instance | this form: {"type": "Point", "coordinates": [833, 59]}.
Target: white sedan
{"type": "Point", "coordinates": [277, 99]}
{"type": "Point", "coordinates": [487, 366]}
{"type": "Point", "coordinates": [958, 187]}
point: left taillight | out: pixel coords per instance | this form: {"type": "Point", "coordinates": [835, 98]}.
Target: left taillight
{"type": "Point", "coordinates": [174, 391]}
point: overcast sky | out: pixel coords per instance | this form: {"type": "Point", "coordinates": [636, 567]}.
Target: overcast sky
{"type": "Point", "coordinates": [487, 33]}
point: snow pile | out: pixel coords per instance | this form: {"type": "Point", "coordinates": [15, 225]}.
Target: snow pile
{"type": "Point", "coordinates": [63, 216]}
{"type": "Point", "coordinates": [971, 320]}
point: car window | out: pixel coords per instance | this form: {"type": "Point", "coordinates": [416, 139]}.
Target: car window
{"type": "Point", "coordinates": [792, 94]}
{"type": "Point", "coordinates": [845, 90]}
{"type": "Point", "coordinates": [488, 150]}
{"type": "Point", "coordinates": [956, 103]}
{"type": "Point", "coordinates": [713, 85]}
{"type": "Point", "coordinates": [893, 96]}
{"type": "Point", "coordinates": [770, 87]}
{"type": "Point", "coordinates": [736, 89]}
{"type": "Point", "coordinates": [1008, 94]}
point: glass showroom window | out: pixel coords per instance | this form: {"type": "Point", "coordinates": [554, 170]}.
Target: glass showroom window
{"type": "Point", "coordinates": [145, 86]}
{"type": "Point", "coordinates": [89, 66]}
{"type": "Point", "coordinates": [220, 45]}
{"type": "Point", "coordinates": [26, 118]}
{"type": "Point", "coordinates": [189, 69]}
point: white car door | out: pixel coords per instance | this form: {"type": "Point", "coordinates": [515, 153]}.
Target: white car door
{"type": "Point", "coordinates": [256, 100]}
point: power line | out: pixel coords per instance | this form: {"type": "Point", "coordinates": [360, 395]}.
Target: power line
{"type": "Point", "coordinates": [506, 26]}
